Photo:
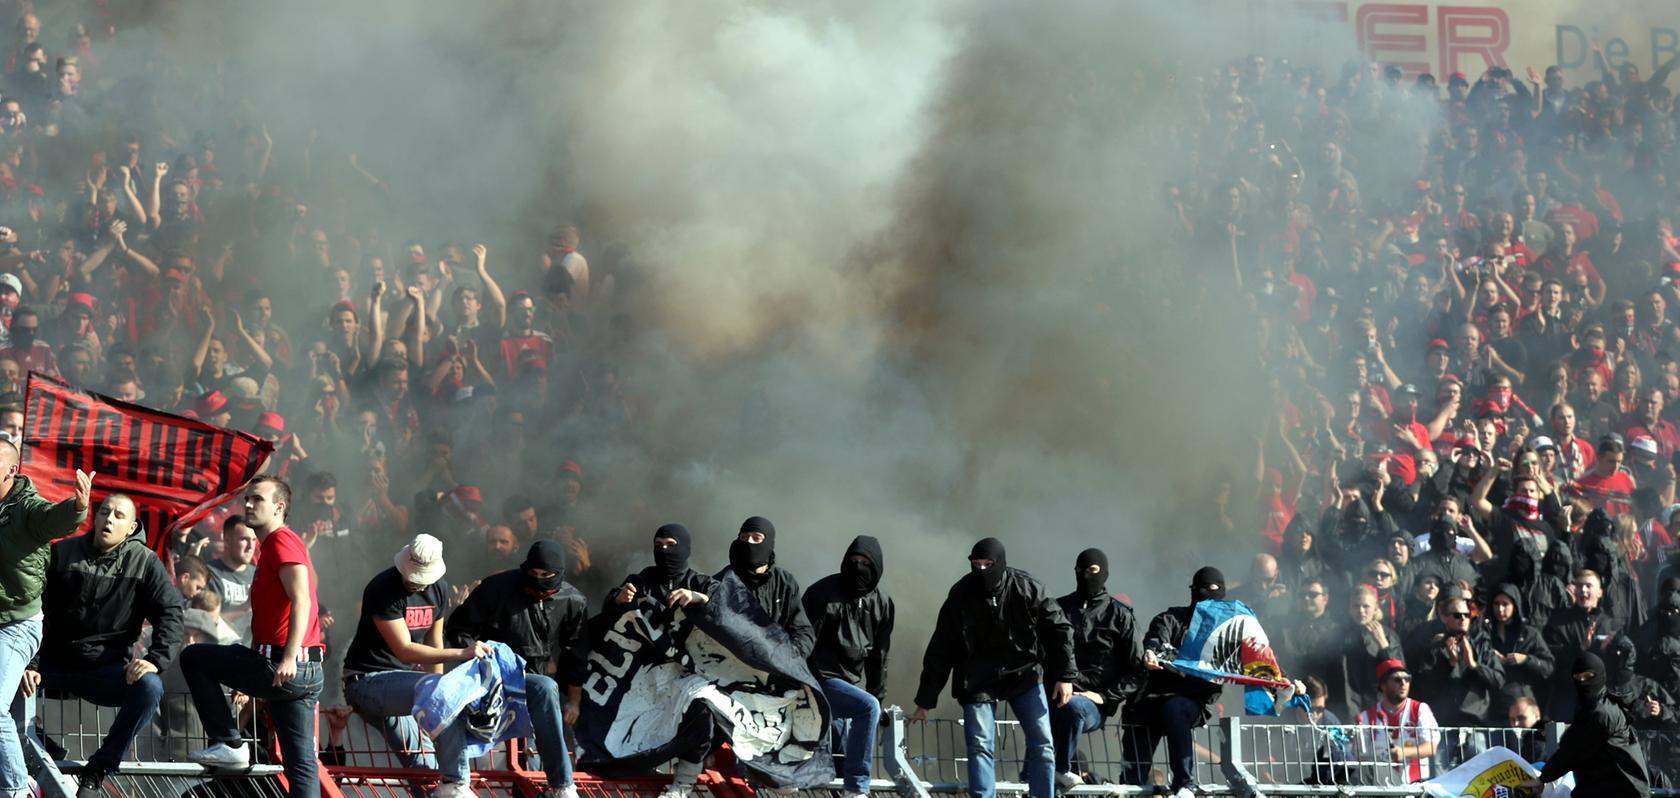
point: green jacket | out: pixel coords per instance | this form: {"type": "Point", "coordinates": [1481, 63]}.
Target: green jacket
{"type": "Point", "coordinates": [28, 523]}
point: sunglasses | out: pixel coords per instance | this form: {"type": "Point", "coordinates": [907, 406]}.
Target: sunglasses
{"type": "Point", "coordinates": [1401, 679]}
{"type": "Point", "coordinates": [1374, 574]}
{"type": "Point", "coordinates": [1312, 594]}
{"type": "Point", "coordinates": [1458, 615]}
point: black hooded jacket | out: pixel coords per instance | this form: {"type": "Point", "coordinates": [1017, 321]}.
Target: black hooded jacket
{"type": "Point", "coordinates": [995, 646]}
{"type": "Point", "coordinates": [1459, 694]}
{"type": "Point", "coordinates": [1571, 631]}
{"type": "Point", "coordinates": [777, 593]}
{"type": "Point", "coordinates": [1599, 747]}
{"type": "Point", "coordinates": [1542, 591]}
{"type": "Point", "coordinates": [1105, 648]}
{"type": "Point", "coordinates": [852, 632]}
{"type": "Point", "coordinates": [95, 603]}
{"type": "Point", "coordinates": [1520, 637]}
{"type": "Point", "coordinates": [1167, 630]}
{"type": "Point", "coordinates": [540, 630]}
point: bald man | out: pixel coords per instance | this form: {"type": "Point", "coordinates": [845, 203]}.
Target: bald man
{"type": "Point", "coordinates": [28, 525]}
{"type": "Point", "coordinates": [87, 642]}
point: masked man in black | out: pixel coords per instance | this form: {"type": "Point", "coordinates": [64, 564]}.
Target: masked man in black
{"type": "Point", "coordinates": [543, 619]}
{"type": "Point", "coordinates": [752, 557]}
{"type": "Point", "coordinates": [1000, 637]}
{"type": "Point", "coordinates": [1599, 746]}
{"type": "Point", "coordinates": [1172, 705]}
{"type": "Point", "coordinates": [852, 620]}
{"type": "Point", "coordinates": [667, 584]}
{"type": "Point", "coordinates": [1106, 655]}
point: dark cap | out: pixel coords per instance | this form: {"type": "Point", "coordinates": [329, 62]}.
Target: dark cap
{"type": "Point", "coordinates": [1611, 440]}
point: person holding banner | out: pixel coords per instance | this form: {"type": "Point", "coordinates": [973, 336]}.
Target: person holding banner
{"type": "Point", "coordinates": [1172, 704]}
{"type": "Point", "coordinates": [28, 525]}
{"type": "Point", "coordinates": [1000, 637]}
{"type": "Point", "coordinates": [100, 588]}
{"type": "Point", "coordinates": [283, 666]}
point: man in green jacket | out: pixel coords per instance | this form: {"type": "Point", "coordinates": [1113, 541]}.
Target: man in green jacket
{"type": "Point", "coordinates": [28, 524]}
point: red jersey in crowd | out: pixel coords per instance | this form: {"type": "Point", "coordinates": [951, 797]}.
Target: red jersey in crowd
{"type": "Point", "coordinates": [271, 608]}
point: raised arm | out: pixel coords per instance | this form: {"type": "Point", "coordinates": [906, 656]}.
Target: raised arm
{"type": "Point", "coordinates": [493, 295]}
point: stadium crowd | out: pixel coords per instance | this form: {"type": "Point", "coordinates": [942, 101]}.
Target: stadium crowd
{"type": "Point", "coordinates": [1463, 493]}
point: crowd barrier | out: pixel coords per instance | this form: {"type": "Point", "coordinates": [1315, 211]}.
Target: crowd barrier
{"type": "Point", "coordinates": [1234, 756]}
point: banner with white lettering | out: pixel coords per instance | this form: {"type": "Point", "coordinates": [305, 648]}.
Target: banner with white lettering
{"type": "Point", "coordinates": [660, 681]}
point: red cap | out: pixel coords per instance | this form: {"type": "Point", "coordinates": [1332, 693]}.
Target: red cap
{"type": "Point", "coordinates": [469, 493]}
{"type": "Point", "coordinates": [84, 299]}
{"type": "Point", "coordinates": [1389, 666]}
{"type": "Point", "coordinates": [271, 421]}
{"type": "Point", "coordinates": [572, 467]}
{"type": "Point", "coordinates": [1437, 344]}
{"type": "Point", "coordinates": [1468, 442]}
{"type": "Point", "coordinates": [211, 403]}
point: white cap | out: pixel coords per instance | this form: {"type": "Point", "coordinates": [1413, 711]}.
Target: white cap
{"type": "Point", "coordinates": [421, 561]}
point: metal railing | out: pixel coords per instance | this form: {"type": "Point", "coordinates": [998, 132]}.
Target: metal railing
{"type": "Point", "coordinates": [1242, 756]}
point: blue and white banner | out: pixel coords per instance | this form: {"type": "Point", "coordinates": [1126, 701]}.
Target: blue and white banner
{"type": "Point", "coordinates": [1225, 644]}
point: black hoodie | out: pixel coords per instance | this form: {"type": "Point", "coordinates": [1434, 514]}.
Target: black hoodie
{"type": "Point", "coordinates": [95, 603]}
{"type": "Point", "coordinates": [775, 590]}
{"type": "Point", "coordinates": [994, 645]}
{"type": "Point", "coordinates": [1105, 647]}
{"type": "Point", "coordinates": [1520, 637]}
{"type": "Point", "coordinates": [1599, 746]}
{"type": "Point", "coordinates": [852, 626]}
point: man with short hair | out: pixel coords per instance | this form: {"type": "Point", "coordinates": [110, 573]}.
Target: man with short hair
{"type": "Point", "coordinates": [11, 423]}
{"type": "Point", "coordinates": [1646, 421]}
{"type": "Point", "coordinates": [1607, 485]}
{"type": "Point", "coordinates": [1572, 630]}
{"type": "Point", "coordinates": [232, 572]}
{"type": "Point", "coordinates": [1575, 455]}
{"type": "Point", "coordinates": [284, 665]}
{"type": "Point", "coordinates": [534, 611]}
{"type": "Point", "coordinates": [1000, 637]}
{"type": "Point", "coordinates": [28, 525]}
{"type": "Point", "coordinates": [100, 588]}
{"type": "Point", "coordinates": [1402, 729]}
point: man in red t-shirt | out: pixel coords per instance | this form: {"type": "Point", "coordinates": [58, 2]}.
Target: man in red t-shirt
{"type": "Point", "coordinates": [1608, 486]}
{"type": "Point", "coordinates": [1646, 420]}
{"type": "Point", "coordinates": [283, 664]}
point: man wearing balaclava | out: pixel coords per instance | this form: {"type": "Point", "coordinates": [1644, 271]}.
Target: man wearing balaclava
{"type": "Point", "coordinates": [657, 590]}
{"type": "Point", "coordinates": [1000, 637]}
{"type": "Point", "coordinates": [852, 623]}
{"type": "Point", "coordinates": [752, 558]}
{"type": "Point", "coordinates": [1171, 705]}
{"type": "Point", "coordinates": [535, 612]}
{"type": "Point", "coordinates": [1599, 746]}
{"type": "Point", "coordinates": [1106, 656]}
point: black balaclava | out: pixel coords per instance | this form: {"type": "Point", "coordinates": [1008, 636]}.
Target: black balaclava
{"type": "Point", "coordinates": [1208, 583]}
{"type": "Point", "coordinates": [1522, 563]}
{"type": "Point", "coordinates": [745, 558]}
{"type": "Point", "coordinates": [547, 555]}
{"type": "Point", "coordinates": [1668, 615]}
{"type": "Point", "coordinates": [1620, 656]}
{"type": "Point", "coordinates": [1443, 535]}
{"type": "Point", "coordinates": [991, 579]}
{"type": "Point", "coordinates": [861, 578]}
{"type": "Point", "coordinates": [1092, 585]}
{"type": "Point", "coordinates": [1591, 690]}
{"type": "Point", "coordinates": [672, 562]}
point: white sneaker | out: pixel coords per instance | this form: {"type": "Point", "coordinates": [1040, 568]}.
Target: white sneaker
{"type": "Point", "coordinates": [1069, 780]}
{"type": "Point", "coordinates": [568, 791]}
{"type": "Point", "coordinates": [1184, 792]}
{"type": "Point", "coordinates": [453, 789]}
{"type": "Point", "coordinates": [222, 755]}
{"type": "Point", "coordinates": [675, 790]}
{"type": "Point", "coordinates": [851, 794]}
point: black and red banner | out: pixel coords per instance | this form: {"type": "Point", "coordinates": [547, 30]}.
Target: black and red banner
{"type": "Point", "coordinates": [176, 469]}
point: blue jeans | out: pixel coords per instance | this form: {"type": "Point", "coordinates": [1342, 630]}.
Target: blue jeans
{"type": "Point", "coordinates": [19, 640]}
{"type": "Point", "coordinates": [106, 686]}
{"type": "Point", "coordinates": [1032, 710]}
{"type": "Point", "coordinates": [1174, 718]}
{"type": "Point", "coordinates": [542, 700]}
{"type": "Point", "coordinates": [291, 706]}
{"type": "Point", "coordinates": [386, 700]}
{"type": "Point", "coordinates": [859, 713]}
{"type": "Point", "coordinates": [1078, 717]}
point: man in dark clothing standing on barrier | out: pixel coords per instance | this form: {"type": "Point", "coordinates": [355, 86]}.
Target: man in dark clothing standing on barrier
{"type": "Point", "coordinates": [1599, 746]}
{"type": "Point", "coordinates": [535, 612]}
{"type": "Point", "coordinates": [1106, 656]}
{"type": "Point", "coordinates": [987, 641]}
{"type": "Point", "coordinates": [100, 588]}
{"type": "Point", "coordinates": [852, 619]}
{"type": "Point", "coordinates": [752, 556]}
{"type": "Point", "coordinates": [1172, 705]}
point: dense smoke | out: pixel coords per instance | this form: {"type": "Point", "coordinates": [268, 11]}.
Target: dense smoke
{"type": "Point", "coordinates": [888, 269]}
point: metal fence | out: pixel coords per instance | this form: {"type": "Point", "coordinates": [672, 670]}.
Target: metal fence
{"type": "Point", "coordinates": [1242, 756]}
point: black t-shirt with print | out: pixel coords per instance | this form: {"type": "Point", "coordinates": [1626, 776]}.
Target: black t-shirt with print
{"type": "Point", "coordinates": [386, 598]}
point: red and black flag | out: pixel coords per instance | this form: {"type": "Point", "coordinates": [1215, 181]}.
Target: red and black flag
{"type": "Point", "coordinates": [176, 469]}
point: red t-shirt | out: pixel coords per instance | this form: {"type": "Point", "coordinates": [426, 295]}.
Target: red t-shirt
{"type": "Point", "coordinates": [1613, 494]}
{"type": "Point", "coordinates": [271, 608]}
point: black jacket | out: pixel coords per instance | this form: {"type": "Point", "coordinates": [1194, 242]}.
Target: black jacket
{"type": "Point", "coordinates": [994, 647]}
{"type": "Point", "coordinates": [1360, 656]}
{"type": "Point", "coordinates": [778, 595]}
{"type": "Point", "coordinates": [651, 585]}
{"type": "Point", "coordinates": [1105, 648]}
{"type": "Point", "coordinates": [95, 603]}
{"type": "Point", "coordinates": [1167, 630]}
{"type": "Point", "coordinates": [553, 629]}
{"type": "Point", "coordinates": [1311, 647]}
{"type": "Point", "coordinates": [1600, 749]}
{"type": "Point", "coordinates": [853, 634]}
{"type": "Point", "coordinates": [1459, 694]}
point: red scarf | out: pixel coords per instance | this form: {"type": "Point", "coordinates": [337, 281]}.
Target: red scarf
{"type": "Point", "coordinates": [1524, 507]}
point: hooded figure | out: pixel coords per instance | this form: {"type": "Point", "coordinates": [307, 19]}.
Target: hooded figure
{"type": "Point", "coordinates": [1528, 662]}
{"type": "Point", "coordinates": [1443, 558]}
{"type": "Point", "coordinates": [1295, 566]}
{"type": "Point", "coordinates": [1171, 705]}
{"type": "Point", "coordinates": [752, 558]}
{"type": "Point", "coordinates": [1659, 646]}
{"type": "Point", "coordinates": [544, 619]}
{"type": "Point", "coordinates": [1599, 746]}
{"type": "Point", "coordinates": [1541, 591]}
{"type": "Point", "coordinates": [1106, 654]}
{"type": "Point", "coordinates": [668, 574]}
{"type": "Point", "coordinates": [852, 625]}
{"type": "Point", "coordinates": [1601, 554]}
{"type": "Point", "coordinates": [1000, 637]}
{"type": "Point", "coordinates": [1645, 703]}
